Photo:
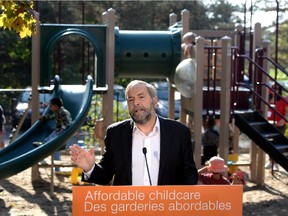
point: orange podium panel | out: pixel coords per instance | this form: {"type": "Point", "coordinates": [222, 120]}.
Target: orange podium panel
{"type": "Point", "coordinates": [158, 200]}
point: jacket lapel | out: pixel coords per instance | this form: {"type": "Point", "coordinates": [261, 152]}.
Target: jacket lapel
{"type": "Point", "coordinates": [165, 142]}
{"type": "Point", "coordinates": [127, 148]}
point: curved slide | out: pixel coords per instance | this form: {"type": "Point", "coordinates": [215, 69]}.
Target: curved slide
{"type": "Point", "coordinates": [21, 154]}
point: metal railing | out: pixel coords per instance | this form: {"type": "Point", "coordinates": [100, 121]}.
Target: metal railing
{"type": "Point", "coordinates": [253, 85]}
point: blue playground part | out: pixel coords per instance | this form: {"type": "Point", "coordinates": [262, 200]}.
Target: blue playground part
{"type": "Point", "coordinates": [21, 154]}
{"type": "Point", "coordinates": [147, 54]}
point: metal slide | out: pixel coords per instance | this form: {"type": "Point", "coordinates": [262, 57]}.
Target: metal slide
{"type": "Point", "coordinates": [21, 154]}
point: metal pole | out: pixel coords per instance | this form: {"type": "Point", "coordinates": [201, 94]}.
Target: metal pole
{"type": "Point", "coordinates": [277, 32]}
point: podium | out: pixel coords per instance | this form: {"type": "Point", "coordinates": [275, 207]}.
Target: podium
{"type": "Point", "coordinates": [204, 200]}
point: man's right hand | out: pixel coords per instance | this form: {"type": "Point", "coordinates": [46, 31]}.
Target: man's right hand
{"type": "Point", "coordinates": [82, 158]}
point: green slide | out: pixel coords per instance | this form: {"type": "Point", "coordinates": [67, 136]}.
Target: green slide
{"type": "Point", "coordinates": [21, 154]}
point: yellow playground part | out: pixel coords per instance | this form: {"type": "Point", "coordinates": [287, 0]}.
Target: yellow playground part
{"type": "Point", "coordinates": [232, 158]}
{"type": "Point", "coordinates": [76, 171]}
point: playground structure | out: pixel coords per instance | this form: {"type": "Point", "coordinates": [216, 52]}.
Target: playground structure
{"type": "Point", "coordinates": [219, 72]}
{"type": "Point", "coordinates": [21, 153]}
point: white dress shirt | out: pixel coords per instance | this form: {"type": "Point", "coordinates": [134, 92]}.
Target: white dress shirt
{"type": "Point", "coordinates": [152, 143]}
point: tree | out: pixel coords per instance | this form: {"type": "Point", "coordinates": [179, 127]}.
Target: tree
{"type": "Point", "coordinates": [282, 48]}
{"type": "Point", "coordinates": [18, 16]}
{"type": "Point", "coordinates": [15, 60]}
{"type": "Point", "coordinates": [279, 38]}
{"type": "Point", "coordinates": [221, 15]}
{"type": "Point", "coordinates": [283, 45]}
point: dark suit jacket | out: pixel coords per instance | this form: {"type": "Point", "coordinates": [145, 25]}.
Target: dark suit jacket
{"type": "Point", "coordinates": [177, 166]}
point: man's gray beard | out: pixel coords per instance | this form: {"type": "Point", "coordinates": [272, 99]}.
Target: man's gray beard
{"type": "Point", "coordinates": [144, 120]}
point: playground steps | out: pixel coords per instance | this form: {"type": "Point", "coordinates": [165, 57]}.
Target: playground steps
{"type": "Point", "coordinates": [265, 135]}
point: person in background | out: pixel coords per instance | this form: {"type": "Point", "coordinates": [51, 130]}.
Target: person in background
{"type": "Point", "coordinates": [188, 42]}
{"type": "Point", "coordinates": [281, 105]}
{"type": "Point", "coordinates": [212, 174]}
{"type": "Point", "coordinates": [2, 129]}
{"type": "Point", "coordinates": [165, 143]}
{"type": "Point", "coordinates": [63, 120]}
{"type": "Point", "coordinates": [61, 115]}
{"type": "Point", "coordinates": [210, 140]}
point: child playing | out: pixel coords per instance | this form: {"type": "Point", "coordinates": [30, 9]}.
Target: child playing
{"type": "Point", "coordinates": [188, 43]}
{"type": "Point", "coordinates": [212, 174]}
{"type": "Point", "coordinates": [62, 117]}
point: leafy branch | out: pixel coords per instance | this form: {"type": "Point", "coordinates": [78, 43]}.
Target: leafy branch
{"type": "Point", "coordinates": [18, 16]}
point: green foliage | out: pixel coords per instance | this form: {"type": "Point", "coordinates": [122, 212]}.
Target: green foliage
{"type": "Point", "coordinates": [15, 65]}
{"type": "Point", "coordinates": [119, 112]}
{"type": "Point", "coordinates": [280, 74]}
{"type": "Point", "coordinates": [18, 16]}
{"type": "Point", "coordinates": [221, 15]}
{"type": "Point", "coordinates": [282, 45]}
{"type": "Point", "coordinates": [15, 60]}
{"type": "Point", "coordinates": [94, 114]}
{"type": "Point", "coordinates": [156, 15]}
{"type": "Point", "coordinates": [282, 58]}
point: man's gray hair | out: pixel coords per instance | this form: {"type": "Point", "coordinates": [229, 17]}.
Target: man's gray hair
{"type": "Point", "coordinates": [151, 89]}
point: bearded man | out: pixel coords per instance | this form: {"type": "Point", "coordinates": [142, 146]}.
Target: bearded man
{"type": "Point", "coordinates": [146, 149]}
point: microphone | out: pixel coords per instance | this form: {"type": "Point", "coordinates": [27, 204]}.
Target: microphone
{"type": "Point", "coordinates": [144, 150]}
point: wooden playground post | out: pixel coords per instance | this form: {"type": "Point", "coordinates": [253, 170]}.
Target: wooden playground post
{"type": "Point", "coordinates": [35, 83]}
{"type": "Point", "coordinates": [225, 97]}
{"type": "Point", "coordinates": [260, 172]}
{"type": "Point", "coordinates": [171, 96]}
{"type": "Point", "coordinates": [107, 106]}
{"type": "Point", "coordinates": [264, 108]}
{"type": "Point", "coordinates": [253, 156]}
{"type": "Point", "coordinates": [186, 103]}
{"type": "Point", "coordinates": [198, 93]}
